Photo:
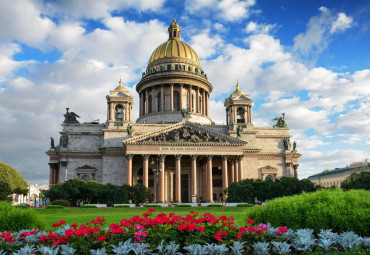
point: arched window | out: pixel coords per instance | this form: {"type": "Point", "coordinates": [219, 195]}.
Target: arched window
{"type": "Point", "coordinates": [269, 177]}
{"type": "Point", "coordinates": [119, 113]}
{"type": "Point", "coordinates": [159, 102]}
{"type": "Point", "coordinates": [150, 103]}
{"type": "Point", "coordinates": [240, 115]}
{"type": "Point", "coordinates": [176, 101]}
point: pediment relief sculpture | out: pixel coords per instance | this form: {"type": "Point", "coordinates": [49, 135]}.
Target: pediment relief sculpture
{"type": "Point", "coordinates": [185, 135]}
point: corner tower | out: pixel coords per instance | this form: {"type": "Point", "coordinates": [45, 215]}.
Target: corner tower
{"type": "Point", "coordinates": [238, 108]}
{"type": "Point", "coordinates": [119, 103]}
{"type": "Point", "coordinates": [174, 86]}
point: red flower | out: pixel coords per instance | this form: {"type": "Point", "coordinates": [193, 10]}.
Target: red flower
{"type": "Point", "coordinates": [239, 236]}
{"type": "Point", "coordinates": [61, 222]}
{"type": "Point", "coordinates": [251, 229]}
{"type": "Point", "coordinates": [55, 225]}
{"type": "Point", "coordinates": [243, 229]}
{"type": "Point", "coordinates": [223, 217]}
{"type": "Point", "coordinates": [151, 210]}
{"type": "Point", "coordinates": [101, 238]}
{"type": "Point", "coordinates": [201, 229]}
{"type": "Point", "coordinates": [259, 231]}
{"type": "Point", "coordinates": [283, 229]}
{"type": "Point", "coordinates": [250, 221]}
{"type": "Point", "coordinates": [74, 225]}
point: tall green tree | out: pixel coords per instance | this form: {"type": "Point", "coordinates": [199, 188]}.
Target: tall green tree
{"type": "Point", "coordinates": [11, 182]}
{"type": "Point", "coordinates": [357, 181]}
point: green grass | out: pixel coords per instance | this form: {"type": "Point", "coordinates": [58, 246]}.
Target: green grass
{"type": "Point", "coordinates": [72, 215]}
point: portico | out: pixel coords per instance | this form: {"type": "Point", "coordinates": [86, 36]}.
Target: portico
{"type": "Point", "coordinates": [192, 167]}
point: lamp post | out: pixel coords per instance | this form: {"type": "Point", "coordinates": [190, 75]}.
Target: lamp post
{"type": "Point", "coordinates": [156, 172]}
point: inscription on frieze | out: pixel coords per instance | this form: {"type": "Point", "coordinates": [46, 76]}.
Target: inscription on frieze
{"type": "Point", "coordinates": [184, 149]}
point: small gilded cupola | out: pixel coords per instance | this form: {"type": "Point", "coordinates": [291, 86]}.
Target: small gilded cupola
{"type": "Point", "coordinates": [238, 108]}
{"type": "Point", "coordinates": [119, 105]}
{"type": "Point", "coordinates": [174, 31]}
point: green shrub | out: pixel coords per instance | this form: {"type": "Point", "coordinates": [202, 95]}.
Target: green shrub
{"type": "Point", "coordinates": [54, 207]}
{"type": "Point", "coordinates": [122, 206]}
{"type": "Point", "coordinates": [21, 206]}
{"type": "Point", "coordinates": [152, 206]}
{"type": "Point", "coordinates": [181, 205]}
{"type": "Point", "coordinates": [88, 206]}
{"type": "Point", "coordinates": [13, 218]}
{"type": "Point", "coordinates": [214, 205]}
{"type": "Point", "coordinates": [325, 209]}
{"type": "Point", "coordinates": [64, 203]}
{"type": "Point", "coordinates": [244, 205]}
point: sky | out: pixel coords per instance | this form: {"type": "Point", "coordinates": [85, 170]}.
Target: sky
{"type": "Point", "coordinates": [309, 59]}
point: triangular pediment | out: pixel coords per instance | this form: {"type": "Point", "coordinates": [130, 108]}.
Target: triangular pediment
{"type": "Point", "coordinates": [186, 133]}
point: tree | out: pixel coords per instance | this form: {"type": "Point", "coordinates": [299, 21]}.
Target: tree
{"type": "Point", "coordinates": [249, 189]}
{"type": "Point", "coordinates": [357, 181]}
{"type": "Point", "coordinates": [11, 182]}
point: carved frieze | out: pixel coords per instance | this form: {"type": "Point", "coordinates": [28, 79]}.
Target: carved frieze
{"type": "Point", "coordinates": [184, 135]}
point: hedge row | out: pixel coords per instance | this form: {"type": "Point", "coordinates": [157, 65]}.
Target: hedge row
{"type": "Point", "coordinates": [325, 209]}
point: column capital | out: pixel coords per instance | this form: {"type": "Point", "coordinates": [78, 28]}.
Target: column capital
{"type": "Point", "coordinates": [146, 156]}
{"type": "Point", "coordinates": [240, 157]}
{"type": "Point", "coordinates": [129, 156]}
{"type": "Point", "coordinates": [178, 156]}
{"type": "Point", "coordinates": [193, 157]}
{"type": "Point", "coordinates": [209, 157]}
{"type": "Point", "coordinates": [224, 157]}
{"type": "Point", "coordinates": [162, 157]}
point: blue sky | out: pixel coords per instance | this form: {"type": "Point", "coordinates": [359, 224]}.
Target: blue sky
{"type": "Point", "coordinates": [309, 59]}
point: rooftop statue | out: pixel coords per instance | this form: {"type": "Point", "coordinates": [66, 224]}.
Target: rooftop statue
{"type": "Point", "coordinates": [129, 129]}
{"type": "Point", "coordinates": [280, 122]}
{"type": "Point", "coordinates": [239, 129]}
{"type": "Point", "coordinates": [184, 113]}
{"type": "Point", "coordinates": [52, 142]}
{"type": "Point", "coordinates": [70, 117]}
{"type": "Point", "coordinates": [294, 145]}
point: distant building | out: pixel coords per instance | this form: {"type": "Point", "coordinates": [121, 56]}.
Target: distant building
{"type": "Point", "coordinates": [33, 196]}
{"type": "Point", "coordinates": [335, 177]}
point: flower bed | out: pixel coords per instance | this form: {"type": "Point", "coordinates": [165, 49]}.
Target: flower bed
{"type": "Point", "coordinates": [168, 234]}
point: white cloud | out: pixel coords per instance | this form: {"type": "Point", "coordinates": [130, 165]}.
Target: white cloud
{"type": "Point", "coordinates": [319, 32]}
{"type": "Point", "coordinates": [253, 27]}
{"type": "Point", "coordinates": [96, 9]}
{"type": "Point", "coordinates": [22, 21]}
{"type": "Point", "coordinates": [342, 23]}
{"type": "Point", "coordinates": [229, 10]}
{"type": "Point", "coordinates": [204, 45]}
{"type": "Point", "coordinates": [233, 10]}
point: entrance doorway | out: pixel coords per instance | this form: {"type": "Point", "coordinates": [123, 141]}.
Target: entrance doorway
{"type": "Point", "coordinates": [185, 188]}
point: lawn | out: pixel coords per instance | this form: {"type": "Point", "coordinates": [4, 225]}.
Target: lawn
{"type": "Point", "coordinates": [72, 215]}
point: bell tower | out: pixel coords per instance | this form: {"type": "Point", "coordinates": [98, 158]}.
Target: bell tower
{"type": "Point", "coordinates": [238, 108]}
{"type": "Point", "coordinates": [119, 106]}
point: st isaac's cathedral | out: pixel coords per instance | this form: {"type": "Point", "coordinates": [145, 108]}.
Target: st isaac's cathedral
{"type": "Point", "coordinates": [174, 148]}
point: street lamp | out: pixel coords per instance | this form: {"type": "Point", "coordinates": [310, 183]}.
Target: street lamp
{"type": "Point", "coordinates": [156, 171]}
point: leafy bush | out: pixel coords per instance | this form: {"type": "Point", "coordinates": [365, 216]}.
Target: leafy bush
{"type": "Point", "coordinates": [325, 209]}
{"type": "Point", "coordinates": [244, 205]}
{"type": "Point", "coordinates": [214, 205]}
{"type": "Point", "coordinates": [21, 206]}
{"type": "Point", "coordinates": [88, 206]}
{"type": "Point", "coordinates": [357, 181]}
{"type": "Point", "coordinates": [54, 207]}
{"type": "Point", "coordinates": [183, 205]}
{"type": "Point", "coordinates": [14, 218]}
{"type": "Point", "coordinates": [64, 203]}
{"type": "Point", "coordinates": [122, 206]}
{"type": "Point", "coordinates": [152, 206]}
{"type": "Point", "coordinates": [92, 192]}
{"type": "Point", "coordinates": [249, 190]}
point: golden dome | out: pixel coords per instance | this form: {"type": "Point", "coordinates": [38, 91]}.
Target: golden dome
{"type": "Point", "coordinates": [174, 47]}
{"type": "Point", "coordinates": [237, 92]}
{"type": "Point", "coordinates": [120, 87]}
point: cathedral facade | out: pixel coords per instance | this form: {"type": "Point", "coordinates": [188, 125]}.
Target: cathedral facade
{"type": "Point", "coordinates": [174, 148]}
